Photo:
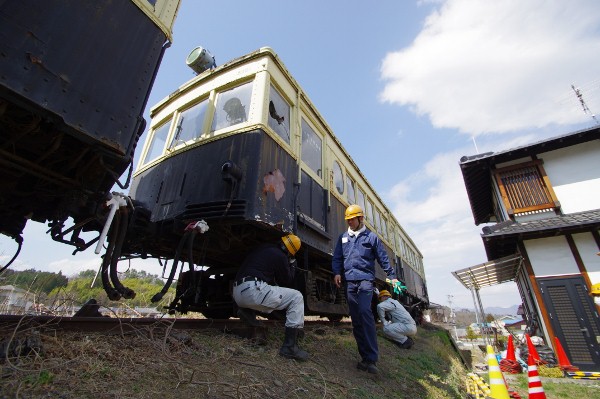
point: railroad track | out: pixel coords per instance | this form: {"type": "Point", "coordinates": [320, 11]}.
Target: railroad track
{"type": "Point", "coordinates": [124, 324]}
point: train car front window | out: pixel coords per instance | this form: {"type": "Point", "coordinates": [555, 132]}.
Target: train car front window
{"type": "Point", "coordinates": [157, 145]}
{"type": "Point", "coordinates": [189, 124]}
{"type": "Point", "coordinates": [279, 115]}
{"type": "Point", "coordinates": [338, 177]}
{"type": "Point", "coordinates": [311, 148]}
{"type": "Point", "coordinates": [232, 106]}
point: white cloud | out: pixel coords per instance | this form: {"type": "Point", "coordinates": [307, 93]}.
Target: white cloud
{"type": "Point", "coordinates": [497, 66]}
{"type": "Point", "coordinates": [433, 208]}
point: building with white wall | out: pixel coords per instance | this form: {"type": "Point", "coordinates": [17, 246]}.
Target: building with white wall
{"type": "Point", "coordinates": [541, 207]}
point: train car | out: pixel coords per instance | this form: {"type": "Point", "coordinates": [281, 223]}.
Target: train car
{"type": "Point", "coordinates": [237, 156]}
{"type": "Point", "coordinates": [75, 77]}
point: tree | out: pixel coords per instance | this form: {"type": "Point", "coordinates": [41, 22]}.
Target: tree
{"type": "Point", "coordinates": [471, 334]}
{"type": "Point", "coordinates": [79, 289]}
{"type": "Point", "coordinates": [36, 281]}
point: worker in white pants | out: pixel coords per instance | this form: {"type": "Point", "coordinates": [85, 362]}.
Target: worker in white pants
{"type": "Point", "coordinates": [398, 324]}
{"type": "Point", "coordinates": [259, 295]}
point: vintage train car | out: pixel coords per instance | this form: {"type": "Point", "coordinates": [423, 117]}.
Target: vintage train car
{"type": "Point", "coordinates": [75, 77]}
{"type": "Point", "coordinates": [242, 148]}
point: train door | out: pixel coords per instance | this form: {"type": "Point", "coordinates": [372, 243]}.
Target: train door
{"type": "Point", "coordinates": [574, 319]}
{"type": "Point", "coordinates": [312, 196]}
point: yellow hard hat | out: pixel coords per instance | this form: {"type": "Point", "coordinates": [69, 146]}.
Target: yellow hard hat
{"type": "Point", "coordinates": [292, 243]}
{"type": "Point", "coordinates": [383, 293]}
{"type": "Point", "coordinates": [595, 290]}
{"type": "Point", "coordinates": [353, 211]}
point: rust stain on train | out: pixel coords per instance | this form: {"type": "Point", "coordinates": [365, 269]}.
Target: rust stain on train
{"type": "Point", "coordinates": [274, 182]}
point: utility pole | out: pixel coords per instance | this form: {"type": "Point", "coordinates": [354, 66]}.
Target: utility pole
{"type": "Point", "coordinates": [452, 316]}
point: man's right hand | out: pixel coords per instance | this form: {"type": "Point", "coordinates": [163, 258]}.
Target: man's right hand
{"type": "Point", "coordinates": [337, 279]}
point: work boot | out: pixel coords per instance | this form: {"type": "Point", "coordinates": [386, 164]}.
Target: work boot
{"type": "Point", "coordinates": [407, 344]}
{"type": "Point", "coordinates": [290, 348]}
{"type": "Point", "coordinates": [370, 367]}
{"type": "Point", "coordinates": [248, 316]}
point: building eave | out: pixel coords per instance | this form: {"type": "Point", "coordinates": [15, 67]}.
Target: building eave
{"type": "Point", "coordinates": [476, 169]}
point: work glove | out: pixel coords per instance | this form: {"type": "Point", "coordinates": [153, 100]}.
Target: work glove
{"type": "Point", "coordinates": [398, 287]}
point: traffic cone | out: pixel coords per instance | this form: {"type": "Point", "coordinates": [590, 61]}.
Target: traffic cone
{"type": "Point", "coordinates": [510, 349]}
{"type": "Point", "coordinates": [536, 390]}
{"type": "Point", "coordinates": [510, 364]}
{"type": "Point", "coordinates": [563, 360]}
{"type": "Point", "coordinates": [532, 351]}
{"type": "Point", "coordinates": [498, 388]}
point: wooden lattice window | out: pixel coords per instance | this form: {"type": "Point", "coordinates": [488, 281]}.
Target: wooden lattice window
{"type": "Point", "coordinates": [525, 188]}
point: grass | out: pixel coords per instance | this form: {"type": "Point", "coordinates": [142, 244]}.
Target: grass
{"type": "Point", "coordinates": [211, 364]}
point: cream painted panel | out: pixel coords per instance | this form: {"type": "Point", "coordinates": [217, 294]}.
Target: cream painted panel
{"type": "Point", "coordinates": [580, 196]}
{"type": "Point", "coordinates": [574, 173]}
{"type": "Point", "coordinates": [551, 257]}
{"type": "Point", "coordinates": [586, 245]}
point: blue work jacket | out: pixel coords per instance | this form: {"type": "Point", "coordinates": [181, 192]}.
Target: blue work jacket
{"type": "Point", "coordinates": [356, 255]}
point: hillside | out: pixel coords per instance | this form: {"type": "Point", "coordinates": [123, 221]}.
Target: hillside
{"type": "Point", "coordinates": [212, 364]}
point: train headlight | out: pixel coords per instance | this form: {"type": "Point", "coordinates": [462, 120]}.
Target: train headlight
{"type": "Point", "coordinates": [200, 59]}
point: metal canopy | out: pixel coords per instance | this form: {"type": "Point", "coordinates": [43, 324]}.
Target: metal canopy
{"type": "Point", "coordinates": [494, 272]}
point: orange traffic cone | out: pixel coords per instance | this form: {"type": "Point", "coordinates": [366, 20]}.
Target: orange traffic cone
{"type": "Point", "coordinates": [536, 390]}
{"type": "Point", "coordinates": [510, 364]}
{"type": "Point", "coordinates": [532, 350]}
{"type": "Point", "coordinates": [563, 360]}
{"type": "Point", "coordinates": [498, 388]}
{"type": "Point", "coordinates": [510, 349]}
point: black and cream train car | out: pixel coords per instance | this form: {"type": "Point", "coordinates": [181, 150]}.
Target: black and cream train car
{"type": "Point", "coordinates": [242, 148]}
{"type": "Point", "coordinates": [75, 77]}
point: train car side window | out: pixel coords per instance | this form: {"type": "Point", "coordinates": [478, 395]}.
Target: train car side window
{"type": "Point", "coordinates": [279, 115]}
{"type": "Point", "coordinates": [398, 243]}
{"type": "Point", "coordinates": [312, 149]}
{"type": "Point", "coordinates": [157, 145]}
{"type": "Point", "coordinates": [360, 198]}
{"type": "Point", "coordinates": [370, 212]}
{"type": "Point", "coordinates": [232, 107]}
{"type": "Point", "coordinates": [377, 220]}
{"type": "Point", "coordinates": [338, 177]}
{"type": "Point", "coordinates": [189, 124]}
{"type": "Point", "coordinates": [384, 230]}
{"type": "Point", "coordinates": [351, 193]}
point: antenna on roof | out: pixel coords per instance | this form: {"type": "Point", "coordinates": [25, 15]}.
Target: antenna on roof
{"type": "Point", "coordinates": [474, 143]}
{"type": "Point", "coordinates": [586, 109]}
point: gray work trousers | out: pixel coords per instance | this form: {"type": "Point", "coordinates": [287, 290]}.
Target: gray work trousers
{"type": "Point", "coordinates": [265, 298]}
{"type": "Point", "coordinates": [399, 331]}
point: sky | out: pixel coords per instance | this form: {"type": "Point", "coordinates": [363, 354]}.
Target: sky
{"type": "Point", "coordinates": [408, 87]}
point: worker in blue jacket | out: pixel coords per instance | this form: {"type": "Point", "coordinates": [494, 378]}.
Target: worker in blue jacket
{"type": "Point", "coordinates": [355, 254]}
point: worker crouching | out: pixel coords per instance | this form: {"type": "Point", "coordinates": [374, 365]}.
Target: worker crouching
{"type": "Point", "coordinates": [398, 324]}
{"type": "Point", "coordinates": [260, 285]}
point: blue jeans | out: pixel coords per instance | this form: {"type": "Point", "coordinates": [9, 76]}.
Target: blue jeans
{"type": "Point", "coordinates": [360, 295]}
